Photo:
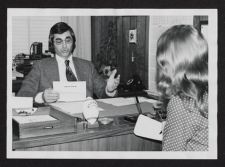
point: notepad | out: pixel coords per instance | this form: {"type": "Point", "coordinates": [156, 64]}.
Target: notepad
{"type": "Point", "coordinates": [148, 127]}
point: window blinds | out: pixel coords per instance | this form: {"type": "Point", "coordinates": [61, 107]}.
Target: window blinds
{"type": "Point", "coordinates": [29, 29]}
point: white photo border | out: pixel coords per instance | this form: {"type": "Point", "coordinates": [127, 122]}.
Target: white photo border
{"type": "Point", "coordinates": [213, 56]}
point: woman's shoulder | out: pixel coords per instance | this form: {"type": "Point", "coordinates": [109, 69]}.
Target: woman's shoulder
{"type": "Point", "coordinates": [175, 100]}
{"type": "Point", "coordinates": [175, 104]}
{"type": "Point", "coordinates": [180, 104]}
{"type": "Point", "coordinates": [184, 103]}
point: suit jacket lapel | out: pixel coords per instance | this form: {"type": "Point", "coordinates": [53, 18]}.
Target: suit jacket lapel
{"type": "Point", "coordinates": [80, 71]}
{"type": "Point", "coordinates": [53, 70]}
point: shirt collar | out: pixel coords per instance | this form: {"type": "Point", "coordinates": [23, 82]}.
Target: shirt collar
{"type": "Point", "coordinates": [62, 60]}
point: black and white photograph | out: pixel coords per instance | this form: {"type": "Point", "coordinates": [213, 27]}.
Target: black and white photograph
{"type": "Point", "coordinates": [112, 83]}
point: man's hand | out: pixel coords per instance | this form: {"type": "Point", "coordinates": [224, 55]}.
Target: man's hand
{"type": "Point", "coordinates": [113, 82]}
{"type": "Point", "coordinates": [50, 96]}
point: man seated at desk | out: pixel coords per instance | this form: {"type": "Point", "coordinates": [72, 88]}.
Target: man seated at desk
{"type": "Point", "coordinates": [64, 67]}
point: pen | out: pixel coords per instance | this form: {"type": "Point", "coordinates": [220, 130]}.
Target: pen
{"type": "Point", "coordinates": [138, 105]}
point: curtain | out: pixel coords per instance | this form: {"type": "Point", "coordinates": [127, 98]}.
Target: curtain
{"type": "Point", "coordinates": [81, 26]}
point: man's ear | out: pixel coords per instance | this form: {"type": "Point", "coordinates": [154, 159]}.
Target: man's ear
{"type": "Point", "coordinates": [74, 46]}
{"type": "Point", "coordinates": [51, 47]}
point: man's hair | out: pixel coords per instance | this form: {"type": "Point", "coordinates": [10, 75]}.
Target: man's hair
{"type": "Point", "coordinates": [60, 28]}
{"type": "Point", "coordinates": [182, 59]}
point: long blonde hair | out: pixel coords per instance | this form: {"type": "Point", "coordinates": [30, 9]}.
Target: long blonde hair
{"type": "Point", "coordinates": [182, 64]}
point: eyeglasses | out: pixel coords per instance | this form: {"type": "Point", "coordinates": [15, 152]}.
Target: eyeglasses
{"type": "Point", "coordinates": [59, 41]}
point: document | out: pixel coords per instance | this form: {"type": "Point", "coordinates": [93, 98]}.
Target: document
{"type": "Point", "coordinates": [121, 101]}
{"type": "Point", "coordinates": [70, 91]}
{"type": "Point", "coordinates": [149, 128]}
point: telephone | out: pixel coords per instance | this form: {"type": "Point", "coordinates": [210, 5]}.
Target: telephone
{"type": "Point", "coordinates": [134, 84]}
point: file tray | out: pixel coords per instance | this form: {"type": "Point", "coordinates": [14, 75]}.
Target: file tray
{"type": "Point", "coordinates": [41, 123]}
{"type": "Point", "coordinates": [69, 112]}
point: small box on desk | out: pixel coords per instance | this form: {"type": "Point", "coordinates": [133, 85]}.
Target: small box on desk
{"type": "Point", "coordinates": [39, 124]}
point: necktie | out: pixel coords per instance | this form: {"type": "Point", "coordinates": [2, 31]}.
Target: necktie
{"type": "Point", "coordinates": [69, 74]}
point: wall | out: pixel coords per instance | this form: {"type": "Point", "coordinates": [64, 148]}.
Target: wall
{"type": "Point", "coordinates": [136, 54]}
{"type": "Point", "coordinates": [139, 50]}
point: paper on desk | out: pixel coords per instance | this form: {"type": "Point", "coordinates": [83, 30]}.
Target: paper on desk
{"type": "Point", "coordinates": [121, 101]}
{"type": "Point", "coordinates": [71, 108]}
{"type": "Point", "coordinates": [33, 118]}
{"type": "Point", "coordinates": [27, 111]}
{"type": "Point", "coordinates": [149, 128]}
{"type": "Point", "coordinates": [22, 102]}
{"type": "Point", "coordinates": [70, 91]}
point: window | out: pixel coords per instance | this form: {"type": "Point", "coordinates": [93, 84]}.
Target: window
{"type": "Point", "coordinates": [29, 29]}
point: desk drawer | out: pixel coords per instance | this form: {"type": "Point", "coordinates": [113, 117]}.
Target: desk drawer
{"type": "Point", "coordinates": [43, 129]}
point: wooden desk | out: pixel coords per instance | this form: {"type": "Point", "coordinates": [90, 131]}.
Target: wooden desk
{"type": "Point", "coordinates": [117, 136]}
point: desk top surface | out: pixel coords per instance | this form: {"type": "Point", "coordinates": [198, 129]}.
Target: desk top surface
{"type": "Point", "coordinates": [119, 126]}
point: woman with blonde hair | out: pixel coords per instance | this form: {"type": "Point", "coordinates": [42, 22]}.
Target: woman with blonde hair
{"type": "Point", "coordinates": [182, 76]}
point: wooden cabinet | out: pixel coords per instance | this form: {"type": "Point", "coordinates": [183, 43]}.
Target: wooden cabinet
{"type": "Point", "coordinates": [130, 58]}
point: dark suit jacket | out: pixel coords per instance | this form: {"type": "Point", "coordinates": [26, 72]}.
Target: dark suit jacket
{"type": "Point", "coordinates": [45, 71]}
